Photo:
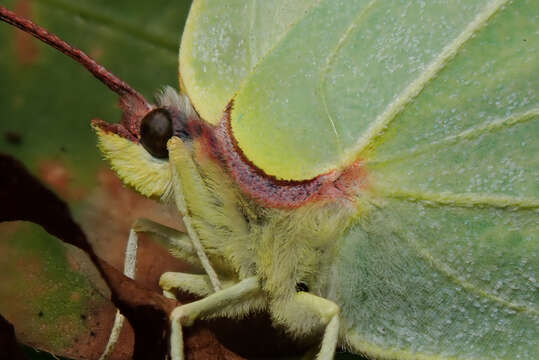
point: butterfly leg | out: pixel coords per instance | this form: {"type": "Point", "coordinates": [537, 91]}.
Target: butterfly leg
{"type": "Point", "coordinates": [196, 284]}
{"type": "Point", "coordinates": [185, 315]}
{"type": "Point", "coordinates": [201, 286]}
{"type": "Point", "coordinates": [174, 239]}
{"type": "Point", "coordinates": [328, 312]}
{"type": "Point", "coordinates": [130, 262]}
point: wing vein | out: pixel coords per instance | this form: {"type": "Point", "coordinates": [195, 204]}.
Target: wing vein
{"type": "Point", "coordinates": [470, 133]}
{"type": "Point", "coordinates": [454, 277]}
{"type": "Point", "coordinates": [460, 200]}
{"type": "Point", "coordinates": [252, 39]}
{"type": "Point", "coordinates": [430, 72]}
{"type": "Point", "coordinates": [322, 87]}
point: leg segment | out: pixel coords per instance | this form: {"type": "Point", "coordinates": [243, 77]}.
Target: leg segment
{"type": "Point", "coordinates": [177, 242]}
{"type": "Point", "coordinates": [328, 312]}
{"type": "Point", "coordinates": [199, 285]}
{"type": "Point", "coordinates": [130, 263]}
{"type": "Point", "coordinates": [185, 315]}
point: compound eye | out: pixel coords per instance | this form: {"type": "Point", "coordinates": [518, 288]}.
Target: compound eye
{"type": "Point", "coordinates": [155, 130]}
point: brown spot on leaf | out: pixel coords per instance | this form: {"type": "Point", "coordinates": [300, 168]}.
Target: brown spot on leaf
{"type": "Point", "coordinates": [13, 138]}
{"type": "Point", "coordinates": [26, 47]}
{"type": "Point", "coordinates": [75, 296]}
{"type": "Point", "coordinates": [18, 101]}
{"type": "Point", "coordinates": [55, 174]}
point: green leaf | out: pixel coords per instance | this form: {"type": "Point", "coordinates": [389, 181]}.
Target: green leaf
{"type": "Point", "coordinates": [52, 293]}
{"type": "Point", "coordinates": [47, 102]}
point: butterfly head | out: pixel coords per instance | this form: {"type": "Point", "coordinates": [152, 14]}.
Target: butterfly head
{"type": "Point", "coordinates": [137, 147]}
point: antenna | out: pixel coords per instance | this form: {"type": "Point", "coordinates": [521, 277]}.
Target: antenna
{"type": "Point", "coordinates": [99, 71]}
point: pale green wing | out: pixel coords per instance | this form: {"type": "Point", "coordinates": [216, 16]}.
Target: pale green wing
{"type": "Point", "coordinates": [310, 96]}
{"type": "Point", "coordinates": [222, 43]}
{"type": "Point", "coordinates": [444, 264]}
{"type": "Point", "coordinates": [416, 280]}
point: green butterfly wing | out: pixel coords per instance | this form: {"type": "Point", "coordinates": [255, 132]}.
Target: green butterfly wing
{"type": "Point", "coordinates": [439, 100]}
{"type": "Point", "coordinates": [313, 88]}
{"type": "Point", "coordinates": [445, 263]}
{"type": "Point", "coordinates": [417, 280]}
{"type": "Point", "coordinates": [222, 43]}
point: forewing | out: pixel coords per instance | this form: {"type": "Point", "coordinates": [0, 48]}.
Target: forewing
{"type": "Point", "coordinates": [311, 90]}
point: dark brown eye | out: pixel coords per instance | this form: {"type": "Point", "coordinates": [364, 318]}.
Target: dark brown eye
{"type": "Point", "coordinates": [155, 130]}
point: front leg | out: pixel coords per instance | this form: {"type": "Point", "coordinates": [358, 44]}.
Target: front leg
{"type": "Point", "coordinates": [185, 315]}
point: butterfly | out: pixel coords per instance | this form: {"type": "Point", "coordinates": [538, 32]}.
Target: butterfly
{"type": "Point", "coordinates": [360, 170]}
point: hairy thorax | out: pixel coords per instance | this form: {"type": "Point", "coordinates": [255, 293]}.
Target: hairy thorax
{"type": "Point", "coordinates": [253, 225]}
